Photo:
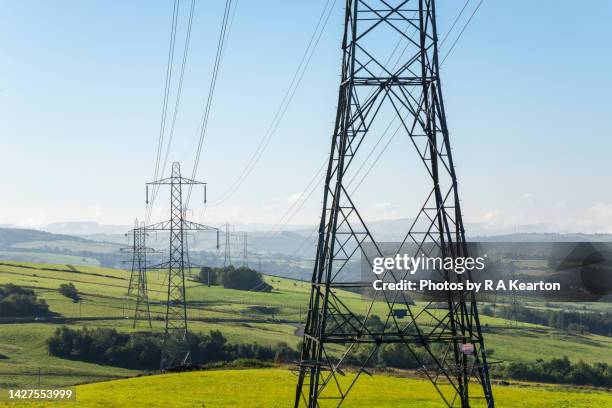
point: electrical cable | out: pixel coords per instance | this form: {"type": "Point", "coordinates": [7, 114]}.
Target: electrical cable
{"type": "Point", "coordinates": [221, 42]}
{"type": "Point", "coordinates": [461, 32]}
{"type": "Point", "coordinates": [285, 102]}
{"type": "Point", "coordinates": [167, 85]}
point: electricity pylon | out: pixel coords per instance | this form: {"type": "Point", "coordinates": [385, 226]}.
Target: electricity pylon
{"type": "Point", "coordinates": [446, 344]}
{"type": "Point", "coordinates": [138, 277]}
{"type": "Point", "coordinates": [227, 261]}
{"type": "Point", "coordinates": [245, 255]}
{"type": "Point", "coordinates": [175, 350]}
{"type": "Point", "coordinates": [135, 237]}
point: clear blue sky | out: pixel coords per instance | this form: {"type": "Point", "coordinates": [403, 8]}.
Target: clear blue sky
{"type": "Point", "coordinates": [527, 95]}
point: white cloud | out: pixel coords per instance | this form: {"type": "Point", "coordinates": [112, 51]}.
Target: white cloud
{"type": "Point", "coordinates": [492, 215]}
{"type": "Point", "coordinates": [295, 197]}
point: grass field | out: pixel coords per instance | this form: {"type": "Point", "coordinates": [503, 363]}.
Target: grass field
{"type": "Point", "coordinates": [104, 304]}
{"type": "Point", "coordinates": [274, 388]}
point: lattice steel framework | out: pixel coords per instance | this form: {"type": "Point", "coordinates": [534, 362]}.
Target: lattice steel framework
{"type": "Point", "coordinates": [141, 310]}
{"type": "Point", "coordinates": [133, 249]}
{"type": "Point", "coordinates": [138, 277]}
{"type": "Point", "coordinates": [446, 340]}
{"type": "Point", "coordinates": [176, 347]}
{"type": "Point", "coordinates": [227, 260]}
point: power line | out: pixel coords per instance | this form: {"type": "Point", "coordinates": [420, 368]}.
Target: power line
{"type": "Point", "coordinates": [285, 102]}
{"type": "Point", "coordinates": [300, 198]}
{"type": "Point", "coordinates": [178, 92]}
{"type": "Point", "coordinates": [211, 90]}
{"type": "Point", "coordinates": [301, 204]}
{"type": "Point", "coordinates": [454, 22]}
{"type": "Point", "coordinates": [393, 52]}
{"type": "Point", "coordinates": [461, 32]}
{"type": "Point", "coordinates": [169, 69]}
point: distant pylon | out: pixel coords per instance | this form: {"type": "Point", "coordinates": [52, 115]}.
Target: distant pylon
{"type": "Point", "coordinates": [138, 280]}
{"type": "Point", "coordinates": [227, 261]}
{"type": "Point", "coordinates": [132, 285]}
{"type": "Point", "coordinates": [246, 249]}
{"type": "Point", "coordinates": [175, 350]}
{"type": "Point", "coordinates": [142, 310]}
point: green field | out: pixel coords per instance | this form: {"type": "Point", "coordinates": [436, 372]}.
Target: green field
{"type": "Point", "coordinates": [274, 388]}
{"type": "Point", "coordinates": [105, 304]}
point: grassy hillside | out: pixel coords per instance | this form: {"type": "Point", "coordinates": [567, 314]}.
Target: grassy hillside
{"type": "Point", "coordinates": [274, 388]}
{"type": "Point", "coordinates": [238, 314]}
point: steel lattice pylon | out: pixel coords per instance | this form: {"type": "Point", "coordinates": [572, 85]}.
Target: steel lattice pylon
{"type": "Point", "coordinates": [142, 310]}
{"type": "Point", "coordinates": [138, 279]}
{"type": "Point", "coordinates": [336, 337]}
{"type": "Point", "coordinates": [176, 351]}
{"type": "Point", "coordinates": [133, 249]}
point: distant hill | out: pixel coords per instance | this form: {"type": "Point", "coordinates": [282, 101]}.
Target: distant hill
{"type": "Point", "coordinates": [12, 236]}
{"type": "Point", "coordinates": [285, 253]}
{"type": "Point", "coordinates": [30, 245]}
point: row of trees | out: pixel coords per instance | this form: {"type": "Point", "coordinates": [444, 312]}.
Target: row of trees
{"type": "Point", "coordinates": [143, 350]}
{"type": "Point", "coordinates": [229, 277]}
{"type": "Point", "coordinates": [557, 370]}
{"type": "Point", "coordinates": [577, 322]}
{"type": "Point", "coordinates": [16, 301]}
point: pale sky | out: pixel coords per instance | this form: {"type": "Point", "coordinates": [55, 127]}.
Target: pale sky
{"type": "Point", "coordinates": [527, 93]}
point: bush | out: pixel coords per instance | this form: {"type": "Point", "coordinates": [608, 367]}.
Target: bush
{"type": "Point", "coordinates": [16, 301]}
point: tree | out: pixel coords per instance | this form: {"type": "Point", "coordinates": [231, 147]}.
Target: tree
{"type": "Point", "coordinates": [70, 291]}
{"type": "Point", "coordinates": [17, 301]}
{"type": "Point", "coordinates": [208, 275]}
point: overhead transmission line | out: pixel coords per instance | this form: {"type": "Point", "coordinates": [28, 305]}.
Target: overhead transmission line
{"type": "Point", "coordinates": [221, 42]}
{"type": "Point", "coordinates": [300, 202]}
{"type": "Point", "coordinates": [180, 85]}
{"type": "Point", "coordinates": [284, 104]}
{"type": "Point", "coordinates": [297, 205]}
{"type": "Point", "coordinates": [168, 85]}
{"type": "Point", "coordinates": [454, 22]}
{"type": "Point", "coordinates": [176, 105]}
{"type": "Point", "coordinates": [303, 196]}
{"type": "Point", "coordinates": [168, 82]}
{"type": "Point", "coordinates": [461, 32]}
